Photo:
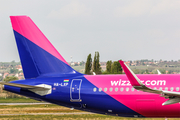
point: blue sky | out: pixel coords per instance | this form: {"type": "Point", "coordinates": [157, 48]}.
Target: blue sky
{"type": "Point", "coordinates": [118, 29]}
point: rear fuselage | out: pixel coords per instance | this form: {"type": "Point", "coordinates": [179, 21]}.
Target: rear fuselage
{"type": "Point", "coordinates": [107, 94]}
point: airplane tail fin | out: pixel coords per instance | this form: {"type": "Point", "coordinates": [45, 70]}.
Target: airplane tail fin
{"type": "Point", "coordinates": [38, 56]}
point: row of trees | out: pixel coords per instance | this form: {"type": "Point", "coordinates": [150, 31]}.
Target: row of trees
{"type": "Point", "coordinates": [111, 67]}
{"type": "Point", "coordinates": [93, 67]}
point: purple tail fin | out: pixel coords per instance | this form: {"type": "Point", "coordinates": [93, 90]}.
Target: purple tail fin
{"type": "Point", "coordinates": [38, 56]}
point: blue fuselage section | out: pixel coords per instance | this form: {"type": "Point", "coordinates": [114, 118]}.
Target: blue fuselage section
{"type": "Point", "coordinates": [75, 92]}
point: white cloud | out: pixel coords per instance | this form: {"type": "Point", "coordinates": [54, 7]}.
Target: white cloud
{"type": "Point", "coordinates": [147, 7]}
{"type": "Point", "coordinates": [176, 34]}
{"type": "Point", "coordinates": [133, 9]}
{"type": "Point", "coordinates": [165, 6]}
{"type": "Point", "coordinates": [74, 9]}
{"type": "Point", "coordinates": [156, 33]}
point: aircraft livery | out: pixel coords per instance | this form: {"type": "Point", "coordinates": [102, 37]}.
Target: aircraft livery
{"type": "Point", "coordinates": [48, 77]}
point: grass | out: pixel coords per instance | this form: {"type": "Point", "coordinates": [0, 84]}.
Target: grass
{"type": "Point", "coordinates": [50, 108]}
{"type": "Point", "coordinates": [80, 69]}
{"type": "Point", "coordinates": [74, 117]}
{"type": "Point", "coordinates": [60, 117]}
{"type": "Point", "coordinates": [18, 100]}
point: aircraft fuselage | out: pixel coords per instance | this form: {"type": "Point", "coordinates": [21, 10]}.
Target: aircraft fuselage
{"type": "Point", "coordinates": [106, 94]}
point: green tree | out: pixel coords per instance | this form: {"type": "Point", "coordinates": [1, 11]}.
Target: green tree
{"type": "Point", "coordinates": [163, 71]}
{"type": "Point", "coordinates": [108, 66]}
{"type": "Point", "coordinates": [10, 78]}
{"type": "Point", "coordinates": [13, 63]}
{"type": "Point", "coordinates": [82, 63]}
{"type": "Point", "coordinates": [146, 71]}
{"type": "Point", "coordinates": [88, 65]}
{"type": "Point", "coordinates": [116, 68]}
{"type": "Point", "coordinates": [14, 70]}
{"type": "Point", "coordinates": [96, 64]}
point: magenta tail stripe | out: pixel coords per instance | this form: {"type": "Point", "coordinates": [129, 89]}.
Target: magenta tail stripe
{"type": "Point", "coordinates": [28, 29]}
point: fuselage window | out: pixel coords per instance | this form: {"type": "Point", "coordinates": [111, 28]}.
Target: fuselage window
{"type": "Point", "coordinates": [177, 88]}
{"type": "Point", "coordinates": [122, 89]}
{"type": "Point", "coordinates": [160, 88]}
{"type": "Point", "coordinates": [132, 89]}
{"type": "Point", "coordinates": [110, 89]}
{"type": "Point", "coordinates": [116, 89]}
{"type": "Point", "coordinates": [172, 88]}
{"type": "Point", "coordinates": [105, 89]}
{"type": "Point", "coordinates": [166, 88]}
{"type": "Point", "coordinates": [94, 89]}
{"type": "Point", "coordinates": [100, 89]}
{"type": "Point", "coordinates": [127, 89]}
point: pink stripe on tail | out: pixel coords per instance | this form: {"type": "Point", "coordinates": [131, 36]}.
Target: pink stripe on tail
{"type": "Point", "coordinates": [28, 29]}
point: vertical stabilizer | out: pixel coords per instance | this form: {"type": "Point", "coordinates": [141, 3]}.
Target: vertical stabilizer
{"type": "Point", "coordinates": [38, 56]}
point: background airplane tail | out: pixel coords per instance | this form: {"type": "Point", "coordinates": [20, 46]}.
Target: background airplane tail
{"type": "Point", "coordinates": [38, 56]}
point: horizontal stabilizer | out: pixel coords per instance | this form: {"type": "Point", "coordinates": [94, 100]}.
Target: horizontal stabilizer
{"type": "Point", "coordinates": [41, 89]}
{"type": "Point", "coordinates": [23, 86]}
